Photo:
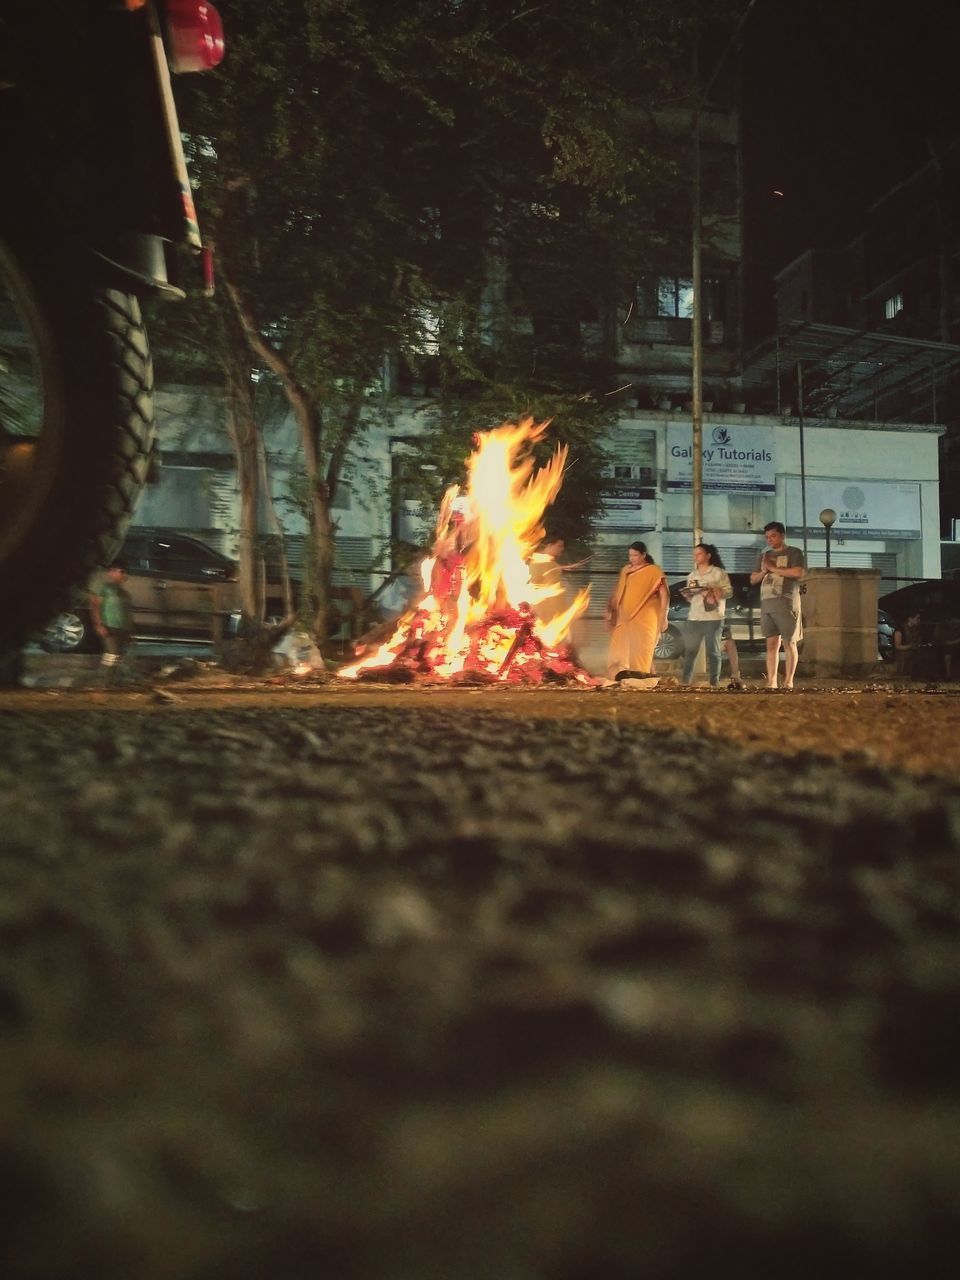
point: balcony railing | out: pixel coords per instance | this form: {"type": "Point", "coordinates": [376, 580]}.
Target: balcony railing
{"type": "Point", "coordinates": [671, 331]}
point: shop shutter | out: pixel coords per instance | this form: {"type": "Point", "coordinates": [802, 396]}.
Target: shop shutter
{"type": "Point", "coordinates": [849, 558]}
{"type": "Point", "coordinates": [353, 561]}
{"type": "Point", "coordinates": [678, 557]}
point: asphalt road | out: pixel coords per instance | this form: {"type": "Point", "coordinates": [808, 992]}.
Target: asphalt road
{"type": "Point", "coordinates": [400, 984]}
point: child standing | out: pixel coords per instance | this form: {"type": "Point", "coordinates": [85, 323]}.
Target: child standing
{"type": "Point", "coordinates": [112, 612]}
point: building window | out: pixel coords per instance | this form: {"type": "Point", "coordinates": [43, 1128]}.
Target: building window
{"type": "Point", "coordinates": [893, 306]}
{"type": "Point", "coordinates": [674, 296]}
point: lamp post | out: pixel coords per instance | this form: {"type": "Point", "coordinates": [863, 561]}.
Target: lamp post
{"type": "Point", "coordinates": [828, 518]}
{"type": "Point", "coordinates": [696, 321]}
{"type": "Point", "coordinates": [700, 96]}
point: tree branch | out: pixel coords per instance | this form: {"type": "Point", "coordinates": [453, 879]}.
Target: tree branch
{"type": "Point", "coordinates": [305, 411]}
{"type": "Point", "coordinates": [339, 451]}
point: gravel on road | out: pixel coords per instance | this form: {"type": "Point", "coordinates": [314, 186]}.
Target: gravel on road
{"type": "Point", "coordinates": [391, 986]}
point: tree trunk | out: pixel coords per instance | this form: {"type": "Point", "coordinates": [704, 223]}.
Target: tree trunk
{"type": "Point", "coordinates": [270, 510]}
{"type": "Point", "coordinates": [324, 460]}
{"type": "Point", "coordinates": [309, 420]}
{"type": "Point", "coordinates": [323, 548]}
{"type": "Point", "coordinates": [244, 435]}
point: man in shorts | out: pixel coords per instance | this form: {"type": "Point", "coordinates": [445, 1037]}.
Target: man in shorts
{"type": "Point", "coordinates": [779, 573]}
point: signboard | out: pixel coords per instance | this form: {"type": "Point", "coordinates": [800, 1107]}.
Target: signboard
{"type": "Point", "coordinates": [865, 508]}
{"type": "Point", "coordinates": [629, 481]}
{"type": "Point", "coordinates": [736, 459]}
{"type": "Point", "coordinates": [628, 506]}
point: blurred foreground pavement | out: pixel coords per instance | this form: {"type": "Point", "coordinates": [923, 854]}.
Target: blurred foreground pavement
{"type": "Point", "coordinates": [396, 988]}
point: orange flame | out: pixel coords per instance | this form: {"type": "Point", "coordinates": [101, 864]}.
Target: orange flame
{"type": "Point", "coordinates": [479, 608]}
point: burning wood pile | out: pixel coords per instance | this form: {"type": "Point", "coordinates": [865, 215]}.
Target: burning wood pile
{"type": "Point", "coordinates": [481, 618]}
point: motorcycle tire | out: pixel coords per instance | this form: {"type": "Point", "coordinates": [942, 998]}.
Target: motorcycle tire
{"type": "Point", "coordinates": [69, 484]}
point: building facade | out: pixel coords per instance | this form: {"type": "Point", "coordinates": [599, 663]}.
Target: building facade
{"type": "Point", "coordinates": [806, 423]}
{"type": "Point", "coordinates": [878, 317]}
{"type": "Point", "coordinates": [881, 478]}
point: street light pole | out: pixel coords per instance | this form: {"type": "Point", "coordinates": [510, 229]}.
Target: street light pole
{"type": "Point", "coordinates": [803, 461]}
{"type": "Point", "coordinates": [827, 518]}
{"type": "Point", "coordinates": [696, 337]}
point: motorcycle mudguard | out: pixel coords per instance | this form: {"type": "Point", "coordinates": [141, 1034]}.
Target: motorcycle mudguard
{"type": "Point", "coordinates": [89, 126]}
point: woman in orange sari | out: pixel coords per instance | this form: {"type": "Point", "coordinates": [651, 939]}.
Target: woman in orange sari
{"type": "Point", "coordinates": [636, 614]}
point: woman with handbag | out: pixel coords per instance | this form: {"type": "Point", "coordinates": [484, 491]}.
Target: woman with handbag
{"type": "Point", "coordinates": [707, 589]}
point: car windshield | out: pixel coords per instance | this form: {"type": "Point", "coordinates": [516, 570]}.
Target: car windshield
{"type": "Point", "coordinates": [174, 555]}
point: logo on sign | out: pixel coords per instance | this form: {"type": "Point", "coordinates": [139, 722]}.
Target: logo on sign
{"type": "Point", "coordinates": [853, 497]}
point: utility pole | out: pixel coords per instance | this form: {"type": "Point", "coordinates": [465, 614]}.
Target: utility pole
{"type": "Point", "coordinates": [803, 461]}
{"type": "Point", "coordinates": [696, 337]}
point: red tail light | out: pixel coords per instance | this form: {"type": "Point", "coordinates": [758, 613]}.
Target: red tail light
{"type": "Point", "coordinates": [196, 35]}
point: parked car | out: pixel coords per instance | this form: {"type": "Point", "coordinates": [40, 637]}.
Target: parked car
{"type": "Point", "coordinates": [743, 618]}
{"type": "Point", "coordinates": [936, 600]}
{"type": "Point", "coordinates": [180, 587]}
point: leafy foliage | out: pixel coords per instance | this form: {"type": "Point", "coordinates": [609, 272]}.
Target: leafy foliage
{"type": "Point", "coordinates": [458, 184]}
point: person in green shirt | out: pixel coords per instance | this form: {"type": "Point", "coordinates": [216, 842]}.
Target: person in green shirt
{"type": "Point", "coordinates": [112, 611]}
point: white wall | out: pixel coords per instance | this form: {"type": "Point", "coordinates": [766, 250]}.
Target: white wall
{"type": "Point", "coordinates": [193, 421]}
{"type": "Point", "coordinates": [896, 454]}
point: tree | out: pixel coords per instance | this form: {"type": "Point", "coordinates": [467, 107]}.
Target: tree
{"type": "Point", "coordinates": [411, 181]}
{"type": "Point", "coordinates": [203, 340]}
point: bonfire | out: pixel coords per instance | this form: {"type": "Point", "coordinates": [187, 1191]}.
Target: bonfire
{"type": "Point", "coordinates": [478, 617]}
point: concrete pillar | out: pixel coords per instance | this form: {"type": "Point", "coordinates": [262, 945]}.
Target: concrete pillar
{"type": "Point", "coordinates": [840, 623]}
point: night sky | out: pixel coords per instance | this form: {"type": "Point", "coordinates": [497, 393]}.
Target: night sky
{"type": "Point", "coordinates": [839, 99]}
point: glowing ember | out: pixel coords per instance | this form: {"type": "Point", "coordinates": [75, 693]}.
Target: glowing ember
{"type": "Point", "coordinates": [478, 612]}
